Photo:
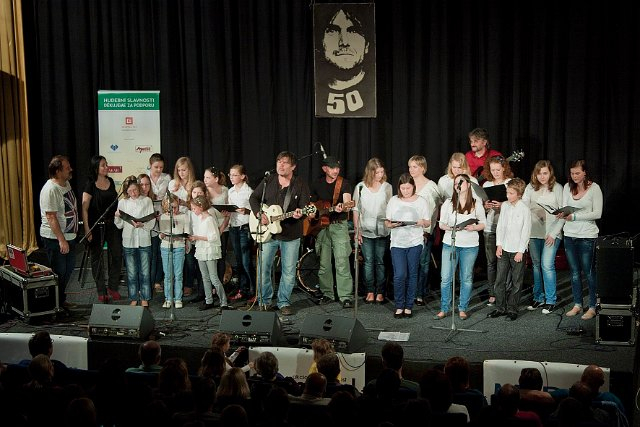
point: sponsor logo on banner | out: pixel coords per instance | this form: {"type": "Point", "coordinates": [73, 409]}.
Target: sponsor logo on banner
{"type": "Point", "coordinates": [143, 149]}
{"type": "Point", "coordinates": [115, 169]}
{"type": "Point", "coordinates": [128, 120]}
{"type": "Point", "coordinates": [114, 147]}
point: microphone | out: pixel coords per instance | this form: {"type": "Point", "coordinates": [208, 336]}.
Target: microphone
{"type": "Point", "coordinates": [460, 184]}
{"type": "Point", "coordinates": [360, 193]}
{"type": "Point", "coordinates": [324, 155]}
{"type": "Point", "coordinates": [267, 173]}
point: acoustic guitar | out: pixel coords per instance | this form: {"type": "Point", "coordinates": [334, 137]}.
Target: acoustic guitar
{"type": "Point", "coordinates": [262, 233]}
{"type": "Point", "coordinates": [516, 156]}
{"type": "Point", "coordinates": [324, 208]}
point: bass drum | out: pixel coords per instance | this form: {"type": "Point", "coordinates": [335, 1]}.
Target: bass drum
{"type": "Point", "coordinates": [307, 272]}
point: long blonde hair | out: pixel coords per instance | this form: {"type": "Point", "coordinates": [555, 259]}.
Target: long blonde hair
{"type": "Point", "coordinates": [460, 158]}
{"type": "Point", "coordinates": [370, 171]}
{"type": "Point", "coordinates": [191, 177]}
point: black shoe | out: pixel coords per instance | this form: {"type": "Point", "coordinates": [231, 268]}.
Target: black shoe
{"type": "Point", "coordinates": [323, 300]}
{"type": "Point", "coordinates": [287, 310]}
{"type": "Point", "coordinates": [419, 301]}
{"type": "Point", "coordinates": [536, 305]}
{"type": "Point", "coordinates": [511, 316]}
{"type": "Point", "coordinates": [226, 307]}
{"type": "Point", "coordinates": [347, 303]}
{"type": "Point", "coordinates": [496, 313]}
{"type": "Point", "coordinates": [548, 308]}
{"type": "Point", "coordinates": [369, 301]}
{"type": "Point", "coordinates": [205, 306]}
{"type": "Point", "coordinates": [198, 298]}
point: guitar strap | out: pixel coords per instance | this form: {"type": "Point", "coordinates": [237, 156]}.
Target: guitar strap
{"type": "Point", "coordinates": [336, 191]}
{"type": "Point", "coordinates": [287, 196]}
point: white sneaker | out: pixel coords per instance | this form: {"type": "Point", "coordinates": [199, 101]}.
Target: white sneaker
{"type": "Point", "coordinates": [178, 304]}
{"type": "Point", "coordinates": [167, 304]}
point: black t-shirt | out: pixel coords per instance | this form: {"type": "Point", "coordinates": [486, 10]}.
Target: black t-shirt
{"type": "Point", "coordinates": [100, 201]}
{"type": "Point", "coordinates": [321, 190]}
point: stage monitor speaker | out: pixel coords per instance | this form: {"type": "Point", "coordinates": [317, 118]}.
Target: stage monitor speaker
{"type": "Point", "coordinates": [252, 328]}
{"type": "Point", "coordinates": [345, 333]}
{"type": "Point", "coordinates": [614, 272]}
{"type": "Point", "coordinates": [120, 321]}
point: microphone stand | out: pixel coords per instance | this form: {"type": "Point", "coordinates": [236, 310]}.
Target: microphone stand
{"type": "Point", "coordinates": [86, 249]}
{"type": "Point", "coordinates": [356, 265]}
{"type": "Point", "coordinates": [453, 329]}
{"type": "Point", "coordinates": [262, 305]}
{"type": "Point", "coordinates": [172, 313]}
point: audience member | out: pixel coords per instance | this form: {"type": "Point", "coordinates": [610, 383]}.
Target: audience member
{"type": "Point", "coordinates": [532, 397]}
{"type": "Point", "coordinates": [204, 393]}
{"type": "Point", "coordinates": [81, 412]}
{"type": "Point", "coordinates": [329, 366]}
{"type": "Point", "coordinates": [457, 370]}
{"type": "Point", "coordinates": [343, 408]}
{"type": "Point", "coordinates": [320, 347]}
{"type": "Point", "coordinates": [41, 343]}
{"type": "Point", "coordinates": [392, 358]}
{"type": "Point", "coordinates": [222, 341]}
{"type": "Point", "coordinates": [268, 377]}
{"type": "Point", "coordinates": [234, 390]}
{"type": "Point", "coordinates": [212, 365]}
{"type": "Point", "coordinates": [42, 394]}
{"type": "Point", "coordinates": [234, 416]}
{"type": "Point", "coordinates": [508, 402]}
{"type": "Point", "coordinates": [435, 387]}
{"type": "Point", "coordinates": [149, 353]}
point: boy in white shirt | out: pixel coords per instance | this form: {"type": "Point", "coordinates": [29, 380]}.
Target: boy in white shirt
{"type": "Point", "coordinates": [512, 239]}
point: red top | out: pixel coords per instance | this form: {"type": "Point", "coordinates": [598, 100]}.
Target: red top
{"type": "Point", "coordinates": [477, 162]}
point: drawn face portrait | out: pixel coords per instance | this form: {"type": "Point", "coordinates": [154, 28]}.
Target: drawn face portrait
{"type": "Point", "coordinates": [344, 43]}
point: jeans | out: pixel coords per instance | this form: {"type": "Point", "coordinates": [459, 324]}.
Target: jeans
{"type": "Point", "coordinates": [405, 275]}
{"type": "Point", "coordinates": [508, 291]}
{"type": "Point", "coordinates": [110, 234]}
{"type": "Point", "coordinates": [222, 262]}
{"type": "Point", "coordinates": [61, 264]}
{"type": "Point", "coordinates": [209, 271]}
{"type": "Point", "coordinates": [580, 256]}
{"type": "Point", "coordinates": [174, 271]}
{"type": "Point", "coordinates": [289, 251]}
{"type": "Point", "coordinates": [138, 279]}
{"type": "Point", "coordinates": [334, 240]}
{"type": "Point", "coordinates": [423, 271]}
{"type": "Point", "coordinates": [241, 244]}
{"type": "Point", "coordinates": [543, 258]}
{"type": "Point", "coordinates": [467, 258]}
{"type": "Point", "coordinates": [157, 264]}
{"type": "Point", "coordinates": [192, 273]}
{"type": "Point", "coordinates": [373, 251]}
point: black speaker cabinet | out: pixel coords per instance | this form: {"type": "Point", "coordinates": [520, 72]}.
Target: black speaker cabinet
{"type": "Point", "coordinates": [345, 333]}
{"type": "Point", "coordinates": [120, 321]}
{"type": "Point", "coordinates": [253, 328]}
{"type": "Point", "coordinates": [614, 272]}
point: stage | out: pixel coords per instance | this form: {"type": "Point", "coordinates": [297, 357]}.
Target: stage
{"type": "Point", "coordinates": [533, 336]}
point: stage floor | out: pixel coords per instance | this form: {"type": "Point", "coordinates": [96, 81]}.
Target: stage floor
{"type": "Point", "coordinates": [533, 336]}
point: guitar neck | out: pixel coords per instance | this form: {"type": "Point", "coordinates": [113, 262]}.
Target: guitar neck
{"type": "Point", "coordinates": [283, 216]}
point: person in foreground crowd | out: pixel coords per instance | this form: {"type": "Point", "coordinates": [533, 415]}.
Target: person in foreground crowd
{"type": "Point", "coordinates": [59, 223]}
{"type": "Point", "coordinates": [512, 239]}
{"type": "Point", "coordinates": [407, 214]}
{"type": "Point", "coordinates": [371, 197]}
{"type": "Point", "coordinates": [462, 208]}
{"type": "Point", "coordinates": [136, 240]}
{"type": "Point", "coordinates": [546, 234]}
{"type": "Point", "coordinates": [292, 194]}
{"type": "Point", "coordinates": [580, 233]}
{"type": "Point", "coordinates": [150, 354]}
{"type": "Point", "coordinates": [98, 198]}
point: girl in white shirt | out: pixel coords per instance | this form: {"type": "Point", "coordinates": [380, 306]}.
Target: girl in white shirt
{"type": "Point", "coordinates": [546, 234]}
{"type": "Point", "coordinates": [406, 242]}
{"type": "Point", "coordinates": [206, 235]}
{"type": "Point", "coordinates": [136, 240]}
{"type": "Point", "coordinates": [580, 233]}
{"type": "Point", "coordinates": [173, 249]}
{"type": "Point", "coordinates": [239, 194]}
{"type": "Point", "coordinates": [216, 182]}
{"type": "Point", "coordinates": [371, 198]}
{"type": "Point", "coordinates": [457, 165]}
{"type": "Point", "coordinates": [455, 211]}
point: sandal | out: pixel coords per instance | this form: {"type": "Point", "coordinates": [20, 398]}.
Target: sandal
{"type": "Point", "coordinates": [133, 303]}
{"type": "Point", "coordinates": [369, 298]}
{"type": "Point", "coordinates": [463, 315]}
{"type": "Point", "coordinates": [441, 315]}
{"type": "Point", "coordinates": [144, 303]}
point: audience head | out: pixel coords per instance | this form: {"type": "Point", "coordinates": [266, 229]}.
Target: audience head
{"type": "Point", "coordinates": [329, 366]}
{"type": "Point", "coordinates": [204, 393]}
{"type": "Point", "coordinates": [457, 370]}
{"type": "Point", "coordinates": [572, 413]}
{"type": "Point", "coordinates": [234, 416]}
{"type": "Point", "coordinates": [277, 402]}
{"type": "Point", "coordinates": [343, 407]}
{"type": "Point", "coordinates": [315, 385]}
{"type": "Point", "coordinates": [150, 353]}
{"type": "Point", "coordinates": [213, 363]}
{"type": "Point", "coordinates": [233, 384]}
{"type": "Point", "coordinates": [582, 393]}
{"type": "Point", "coordinates": [174, 376]}
{"type": "Point", "coordinates": [593, 377]}
{"type": "Point", "coordinates": [320, 347]}
{"type": "Point", "coordinates": [387, 384]}
{"type": "Point", "coordinates": [508, 398]}
{"type": "Point", "coordinates": [266, 365]}
{"type": "Point", "coordinates": [81, 412]}
{"type": "Point", "coordinates": [392, 355]}
{"type": "Point", "coordinates": [435, 387]}
{"type": "Point", "coordinates": [41, 343]}
{"type": "Point", "coordinates": [530, 379]}
{"type": "Point", "coordinates": [221, 341]}
{"type": "Point", "coordinates": [41, 369]}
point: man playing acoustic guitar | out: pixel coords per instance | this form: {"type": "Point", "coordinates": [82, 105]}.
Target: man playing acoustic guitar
{"type": "Point", "coordinates": [332, 196]}
{"type": "Point", "coordinates": [291, 194]}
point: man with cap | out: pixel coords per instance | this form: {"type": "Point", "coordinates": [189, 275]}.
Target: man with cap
{"type": "Point", "coordinates": [332, 195]}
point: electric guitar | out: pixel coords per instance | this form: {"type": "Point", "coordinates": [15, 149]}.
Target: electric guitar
{"type": "Point", "coordinates": [516, 156]}
{"type": "Point", "coordinates": [324, 208]}
{"type": "Point", "coordinates": [262, 233]}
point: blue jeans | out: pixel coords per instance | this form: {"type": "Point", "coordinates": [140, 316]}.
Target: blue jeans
{"type": "Point", "coordinates": [543, 258]}
{"type": "Point", "coordinates": [405, 275]}
{"type": "Point", "coordinates": [157, 264]}
{"type": "Point", "coordinates": [241, 244]}
{"type": "Point", "coordinates": [173, 271]}
{"type": "Point", "coordinates": [138, 268]}
{"type": "Point", "coordinates": [374, 272]}
{"type": "Point", "coordinates": [580, 256]}
{"type": "Point", "coordinates": [423, 271]}
{"type": "Point", "coordinates": [289, 251]}
{"type": "Point", "coordinates": [466, 257]}
{"type": "Point", "coordinates": [61, 264]}
{"type": "Point", "coordinates": [210, 280]}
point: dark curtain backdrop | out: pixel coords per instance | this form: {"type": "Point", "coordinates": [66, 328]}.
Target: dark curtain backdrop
{"type": "Point", "coordinates": [558, 79]}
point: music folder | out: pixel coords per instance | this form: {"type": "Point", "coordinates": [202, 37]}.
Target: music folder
{"type": "Point", "coordinates": [129, 218]}
{"type": "Point", "coordinates": [497, 193]}
{"type": "Point", "coordinates": [228, 208]}
{"type": "Point", "coordinates": [566, 210]}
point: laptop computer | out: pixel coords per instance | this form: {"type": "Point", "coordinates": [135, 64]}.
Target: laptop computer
{"type": "Point", "coordinates": [20, 265]}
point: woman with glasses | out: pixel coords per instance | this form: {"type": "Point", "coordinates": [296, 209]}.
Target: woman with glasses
{"type": "Point", "coordinates": [496, 171]}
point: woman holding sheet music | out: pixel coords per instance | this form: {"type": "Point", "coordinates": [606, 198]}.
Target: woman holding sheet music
{"type": "Point", "coordinates": [581, 232]}
{"type": "Point", "coordinates": [98, 198]}
{"type": "Point", "coordinates": [496, 172]}
{"type": "Point", "coordinates": [216, 182]}
{"type": "Point", "coordinates": [546, 234]}
{"type": "Point", "coordinates": [136, 239]}
{"type": "Point", "coordinates": [460, 209]}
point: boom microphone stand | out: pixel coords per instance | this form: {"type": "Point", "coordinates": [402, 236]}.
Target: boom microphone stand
{"type": "Point", "coordinates": [453, 329]}
{"type": "Point", "coordinates": [356, 265]}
